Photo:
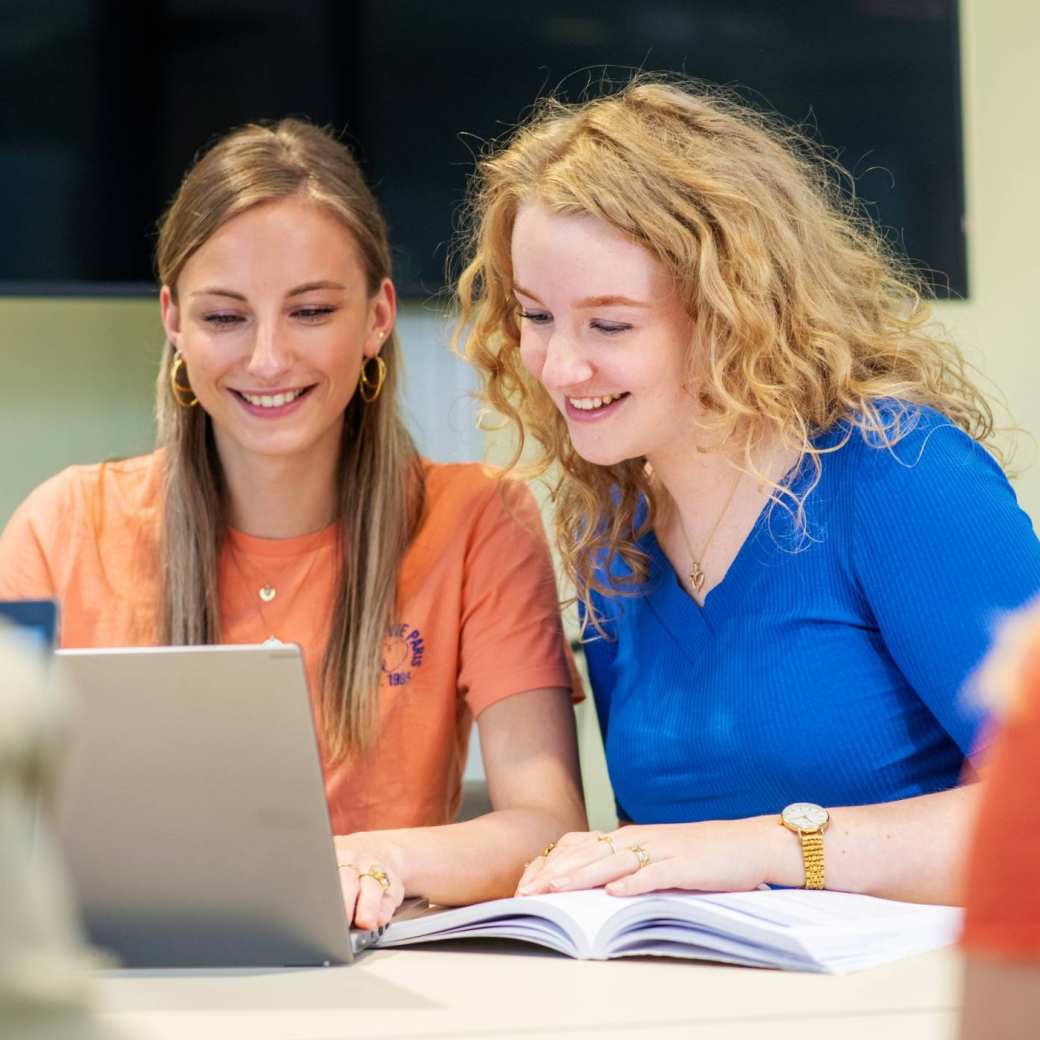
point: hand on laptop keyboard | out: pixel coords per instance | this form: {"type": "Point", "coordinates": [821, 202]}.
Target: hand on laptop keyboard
{"type": "Point", "coordinates": [370, 877]}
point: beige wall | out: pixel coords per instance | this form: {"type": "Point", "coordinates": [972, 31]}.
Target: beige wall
{"type": "Point", "coordinates": [1000, 44]}
{"type": "Point", "coordinates": [77, 386]}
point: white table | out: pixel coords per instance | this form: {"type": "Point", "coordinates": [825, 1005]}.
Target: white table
{"type": "Point", "coordinates": [510, 991]}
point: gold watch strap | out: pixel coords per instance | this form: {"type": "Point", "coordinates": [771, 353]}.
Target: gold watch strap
{"type": "Point", "coordinates": [812, 858]}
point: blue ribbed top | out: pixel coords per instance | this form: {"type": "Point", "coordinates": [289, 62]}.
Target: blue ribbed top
{"type": "Point", "coordinates": [827, 668]}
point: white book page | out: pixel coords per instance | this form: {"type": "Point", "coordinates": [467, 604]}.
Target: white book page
{"type": "Point", "coordinates": [790, 907]}
{"type": "Point", "coordinates": [570, 922]}
{"type": "Point", "coordinates": [785, 928]}
{"type": "Point", "coordinates": [663, 941]}
{"type": "Point", "coordinates": [533, 919]}
{"type": "Point", "coordinates": [818, 931]}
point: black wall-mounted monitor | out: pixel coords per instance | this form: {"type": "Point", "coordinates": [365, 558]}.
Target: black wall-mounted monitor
{"type": "Point", "coordinates": [106, 102]}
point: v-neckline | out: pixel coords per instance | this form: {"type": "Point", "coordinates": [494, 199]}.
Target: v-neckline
{"type": "Point", "coordinates": [774, 526]}
{"type": "Point", "coordinates": [677, 607]}
{"type": "Point", "coordinates": [680, 613]}
{"type": "Point", "coordinates": [727, 591]}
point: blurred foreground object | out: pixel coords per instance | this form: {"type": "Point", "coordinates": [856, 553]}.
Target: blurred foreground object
{"type": "Point", "coordinates": [1002, 891]}
{"type": "Point", "coordinates": [44, 966]}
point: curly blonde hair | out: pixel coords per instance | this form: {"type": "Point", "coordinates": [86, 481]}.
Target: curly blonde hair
{"type": "Point", "coordinates": [807, 319]}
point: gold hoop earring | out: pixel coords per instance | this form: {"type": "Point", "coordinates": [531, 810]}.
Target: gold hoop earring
{"type": "Point", "coordinates": [370, 389]}
{"type": "Point", "coordinates": [181, 390]}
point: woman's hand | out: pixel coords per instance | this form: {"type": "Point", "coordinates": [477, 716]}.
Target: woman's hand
{"type": "Point", "coordinates": [716, 856]}
{"type": "Point", "coordinates": [371, 878]}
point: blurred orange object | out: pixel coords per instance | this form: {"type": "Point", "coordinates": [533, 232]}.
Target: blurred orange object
{"type": "Point", "coordinates": [1002, 883]}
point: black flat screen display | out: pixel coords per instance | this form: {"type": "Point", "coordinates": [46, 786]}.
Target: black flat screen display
{"type": "Point", "coordinates": [105, 103]}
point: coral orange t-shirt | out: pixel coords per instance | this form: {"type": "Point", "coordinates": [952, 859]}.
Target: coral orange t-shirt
{"type": "Point", "coordinates": [1002, 892]}
{"type": "Point", "coordinates": [478, 616]}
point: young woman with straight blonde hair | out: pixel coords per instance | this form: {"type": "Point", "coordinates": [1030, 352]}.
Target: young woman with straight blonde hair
{"type": "Point", "coordinates": [287, 501]}
{"type": "Point", "coordinates": [773, 494]}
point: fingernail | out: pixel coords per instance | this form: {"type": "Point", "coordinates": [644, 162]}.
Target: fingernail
{"type": "Point", "coordinates": [560, 882]}
{"type": "Point", "coordinates": [524, 890]}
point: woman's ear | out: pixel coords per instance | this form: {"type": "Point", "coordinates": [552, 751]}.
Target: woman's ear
{"type": "Point", "coordinates": [382, 315]}
{"type": "Point", "coordinates": [171, 316]}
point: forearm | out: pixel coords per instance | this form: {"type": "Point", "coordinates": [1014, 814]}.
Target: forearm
{"type": "Point", "coordinates": [910, 849]}
{"type": "Point", "coordinates": [531, 763]}
{"type": "Point", "coordinates": [480, 859]}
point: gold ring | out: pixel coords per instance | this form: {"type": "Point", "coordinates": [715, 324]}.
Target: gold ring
{"type": "Point", "coordinates": [379, 875]}
{"type": "Point", "coordinates": [641, 855]}
{"type": "Point", "coordinates": [607, 840]}
{"type": "Point", "coordinates": [548, 848]}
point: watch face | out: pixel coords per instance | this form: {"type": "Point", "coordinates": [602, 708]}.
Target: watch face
{"type": "Point", "coordinates": [805, 816]}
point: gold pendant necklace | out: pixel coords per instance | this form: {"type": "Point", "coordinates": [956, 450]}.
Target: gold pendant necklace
{"type": "Point", "coordinates": [696, 572]}
{"type": "Point", "coordinates": [267, 593]}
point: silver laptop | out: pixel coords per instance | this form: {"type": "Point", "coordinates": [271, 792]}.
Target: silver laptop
{"type": "Point", "coordinates": [193, 810]}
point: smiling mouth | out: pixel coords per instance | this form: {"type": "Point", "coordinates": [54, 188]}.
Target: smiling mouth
{"type": "Point", "coordinates": [592, 404]}
{"type": "Point", "coordinates": [279, 400]}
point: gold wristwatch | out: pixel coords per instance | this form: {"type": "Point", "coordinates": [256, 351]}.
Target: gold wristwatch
{"type": "Point", "coordinates": [808, 821]}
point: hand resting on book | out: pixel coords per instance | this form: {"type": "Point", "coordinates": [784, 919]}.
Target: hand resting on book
{"type": "Point", "coordinates": [713, 856]}
{"type": "Point", "coordinates": [908, 850]}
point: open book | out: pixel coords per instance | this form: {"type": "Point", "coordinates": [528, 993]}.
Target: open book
{"type": "Point", "coordinates": [784, 928]}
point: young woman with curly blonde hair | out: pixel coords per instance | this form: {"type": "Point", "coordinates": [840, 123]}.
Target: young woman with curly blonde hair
{"type": "Point", "coordinates": [773, 493]}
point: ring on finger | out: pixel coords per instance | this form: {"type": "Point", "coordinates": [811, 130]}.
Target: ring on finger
{"type": "Point", "coordinates": [548, 848]}
{"type": "Point", "coordinates": [642, 856]}
{"type": "Point", "coordinates": [608, 841]}
{"type": "Point", "coordinates": [377, 874]}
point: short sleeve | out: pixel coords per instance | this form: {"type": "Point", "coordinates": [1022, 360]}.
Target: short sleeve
{"type": "Point", "coordinates": [511, 637]}
{"type": "Point", "coordinates": [942, 552]}
{"type": "Point", "coordinates": [24, 569]}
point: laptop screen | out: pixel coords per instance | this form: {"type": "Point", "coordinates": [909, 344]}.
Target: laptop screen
{"type": "Point", "coordinates": [36, 620]}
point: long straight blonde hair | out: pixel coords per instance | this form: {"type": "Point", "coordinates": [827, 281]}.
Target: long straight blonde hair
{"type": "Point", "coordinates": [380, 487]}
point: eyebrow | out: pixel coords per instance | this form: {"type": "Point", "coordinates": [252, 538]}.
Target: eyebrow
{"type": "Point", "coordinates": [589, 301]}
{"type": "Point", "coordinates": [310, 286]}
{"type": "Point", "coordinates": [610, 301]}
{"type": "Point", "coordinates": [216, 290]}
{"type": "Point", "coordinates": [213, 290]}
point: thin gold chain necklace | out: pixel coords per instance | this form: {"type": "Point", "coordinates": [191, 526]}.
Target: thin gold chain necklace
{"type": "Point", "coordinates": [696, 573]}
{"type": "Point", "coordinates": [267, 592]}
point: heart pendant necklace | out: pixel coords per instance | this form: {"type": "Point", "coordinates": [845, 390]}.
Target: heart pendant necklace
{"type": "Point", "coordinates": [696, 574]}
{"type": "Point", "coordinates": [268, 592]}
